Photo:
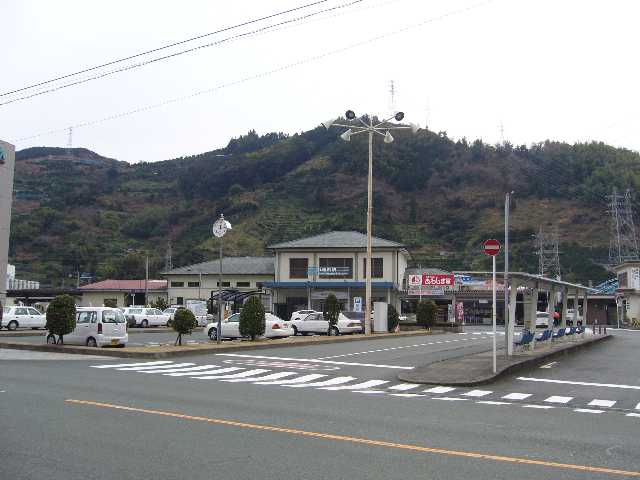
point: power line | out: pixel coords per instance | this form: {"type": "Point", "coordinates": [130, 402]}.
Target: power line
{"type": "Point", "coordinates": [113, 62]}
{"type": "Point", "coordinates": [267, 73]}
{"type": "Point", "coordinates": [176, 54]}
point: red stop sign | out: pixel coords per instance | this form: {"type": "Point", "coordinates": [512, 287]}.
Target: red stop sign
{"type": "Point", "coordinates": [491, 247]}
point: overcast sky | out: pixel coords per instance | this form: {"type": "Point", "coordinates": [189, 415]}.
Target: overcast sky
{"type": "Point", "coordinates": [543, 69]}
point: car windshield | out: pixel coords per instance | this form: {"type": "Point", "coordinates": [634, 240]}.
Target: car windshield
{"type": "Point", "coordinates": [234, 318]}
{"type": "Point", "coordinates": [170, 310]}
{"type": "Point", "coordinates": [112, 316]}
{"type": "Point", "coordinates": [354, 315]}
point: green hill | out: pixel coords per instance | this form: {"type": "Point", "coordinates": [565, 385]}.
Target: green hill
{"type": "Point", "coordinates": [77, 211]}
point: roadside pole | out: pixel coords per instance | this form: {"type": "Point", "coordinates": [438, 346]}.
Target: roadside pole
{"type": "Point", "coordinates": [220, 227]}
{"type": "Point", "coordinates": [508, 338]}
{"type": "Point", "coordinates": [492, 247]}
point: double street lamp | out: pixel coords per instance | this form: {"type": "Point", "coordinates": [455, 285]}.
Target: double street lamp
{"type": "Point", "coordinates": [383, 129]}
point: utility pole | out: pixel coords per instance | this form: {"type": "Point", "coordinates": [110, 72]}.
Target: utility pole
{"type": "Point", "coordinates": [623, 244]}
{"type": "Point", "coordinates": [77, 278]}
{"type": "Point", "coordinates": [507, 321]}
{"type": "Point", "coordinates": [168, 260]}
{"type": "Point", "coordinates": [146, 280]}
{"type": "Point", "coordinates": [548, 253]}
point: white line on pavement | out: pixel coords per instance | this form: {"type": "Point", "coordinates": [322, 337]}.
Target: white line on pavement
{"type": "Point", "coordinates": [132, 364]}
{"type": "Point", "coordinates": [638, 406]}
{"type": "Point", "coordinates": [312, 360]}
{"type": "Point", "coordinates": [439, 390]}
{"type": "Point", "coordinates": [558, 399]}
{"type": "Point", "coordinates": [358, 386]}
{"type": "Point", "coordinates": [548, 365]}
{"type": "Point", "coordinates": [407, 395]}
{"type": "Point", "coordinates": [170, 369]}
{"type": "Point", "coordinates": [477, 393]}
{"type": "Point", "coordinates": [248, 373]}
{"type": "Point", "coordinates": [632, 415]}
{"type": "Point", "coordinates": [303, 379]}
{"type": "Point", "coordinates": [602, 403]}
{"type": "Point", "coordinates": [207, 372]}
{"type": "Point", "coordinates": [155, 367]}
{"type": "Point", "coordinates": [542, 407]}
{"type": "Point", "coordinates": [587, 410]}
{"type": "Point", "coordinates": [326, 383]}
{"type": "Point", "coordinates": [450, 399]}
{"type": "Point", "coordinates": [273, 376]}
{"type": "Point", "coordinates": [404, 386]}
{"type": "Point", "coordinates": [492, 402]}
{"type": "Point", "coordinates": [586, 384]}
{"type": "Point", "coordinates": [517, 396]}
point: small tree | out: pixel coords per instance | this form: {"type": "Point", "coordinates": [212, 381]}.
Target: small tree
{"type": "Point", "coordinates": [393, 318]}
{"type": "Point", "coordinates": [426, 313]}
{"type": "Point", "coordinates": [160, 304]}
{"type": "Point", "coordinates": [61, 316]}
{"type": "Point", "coordinates": [252, 321]}
{"type": "Point", "coordinates": [184, 321]}
{"type": "Point", "coordinates": [331, 311]}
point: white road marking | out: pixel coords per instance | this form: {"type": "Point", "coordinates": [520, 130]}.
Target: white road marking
{"type": "Point", "coordinates": [638, 406]}
{"type": "Point", "coordinates": [632, 415]}
{"type": "Point", "coordinates": [587, 410]}
{"type": "Point", "coordinates": [586, 384]}
{"type": "Point", "coordinates": [303, 379]}
{"type": "Point", "coordinates": [548, 365]}
{"type": "Point", "coordinates": [517, 396]}
{"type": "Point", "coordinates": [439, 390]}
{"type": "Point", "coordinates": [407, 395]}
{"type": "Point", "coordinates": [325, 383]}
{"type": "Point", "coordinates": [170, 369]}
{"type": "Point", "coordinates": [542, 407]}
{"type": "Point", "coordinates": [248, 373]}
{"type": "Point", "coordinates": [477, 393]}
{"type": "Point", "coordinates": [358, 386]}
{"type": "Point", "coordinates": [132, 364]}
{"type": "Point", "coordinates": [273, 376]}
{"type": "Point", "coordinates": [404, 386]}
{"type": "Point", "coordinates": [450, 399]}
{"type": "Point", "coordinates": [138, 369]}
{"type": "Point", "coordinates": [367, 391]}
{"type": "Point", "coordinates": [602, 403]}
{"type": "Point", "coordinates": [558, 399]}
{"type": "Point", "coordinates": [205, 372]}
{"type": "Point", "coordinates": [491, 402]}
{"type": "Point", "coordinates": [312, 360]}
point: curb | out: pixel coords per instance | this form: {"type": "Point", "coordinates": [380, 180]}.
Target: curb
{"type": "Point", "coordinates": [521, 365]}
{"type": "Point", "coordinates": [186, 351]}
{"type": "Point", "coordinates": [42, 333]}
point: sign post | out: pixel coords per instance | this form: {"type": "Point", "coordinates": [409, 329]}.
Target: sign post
{"type": "Point", "coordinates": [492, 247]}
{"type": "Point", "coordinates": [220, 227]}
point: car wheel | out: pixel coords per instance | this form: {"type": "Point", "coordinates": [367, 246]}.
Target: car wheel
{"type": "Point", "coordinates": [333, 331]}
{"type": "Point", "coordinates": [295, 330]}
{"type": "Point", "coordinates": [51, 339]}
{"type": "Point", "coordinates": [144, 324]}
{"type": "Point", "coordinates": [12, 325]}
{"type": "Point", "coordinates": [91, 342]}
{"type": "Point", "coordinates": [213, 333]}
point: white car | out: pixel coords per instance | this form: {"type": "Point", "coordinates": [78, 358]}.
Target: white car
{"type": "Point", "coordinates": [275, 327]}
{"type": "Point", "coordinates": [145, 317]}
{"type": "Point", "coordinates": [542, 319]}
{"type": "Point", "coordinates": [96, 327]}
{"type": "Point", "coordinates": [570, 315]}
{"type": "Point", "coordinates": [300, 314]}
{"type": "Point", "coordinates": [316, 323]}
{"type": "Point", "coordinates": [22, 317]}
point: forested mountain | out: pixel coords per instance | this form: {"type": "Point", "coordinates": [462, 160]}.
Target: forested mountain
{"type": "Point", "coordinates": [77, 211]}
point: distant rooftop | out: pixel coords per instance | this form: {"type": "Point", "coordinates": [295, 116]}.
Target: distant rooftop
{"type": "Point", "coordinates": [126, 285]}
{"type": "Point", "coordinates": [230, 266]}
{"type": "Point", "coordinates": [337, 239]}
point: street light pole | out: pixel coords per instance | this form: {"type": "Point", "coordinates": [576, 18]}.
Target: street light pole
{"type": "Point", "coordinates": [220, 227]}
{"type": "Point", "coordinates": [507, 320]}
{"type": "Point", "coordinates": [370, 128]}
{"type": "Point", "coordinates": [146, 280]}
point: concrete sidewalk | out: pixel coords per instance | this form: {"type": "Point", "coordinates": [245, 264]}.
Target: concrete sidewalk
{"type": "Point", "coordinates": [477, 369]}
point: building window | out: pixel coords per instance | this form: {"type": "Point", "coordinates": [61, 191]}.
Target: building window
{"type": "Point", "coordinates": [193, 284]}
{"type": "Point", "coordinates": [177, 284]}
{"type": "Point", "coordinates": [224, 284]}
{"type": "Point", "coordinates": [243, 284]}
{"type": "Point", "coordinates": [376, 271]}
{"type": "Point", "coordinates": [335, 268]}
{"type": "Point", "coordinates": [180, 300]}
{"type": "Point", "coordinates": [298, 267]}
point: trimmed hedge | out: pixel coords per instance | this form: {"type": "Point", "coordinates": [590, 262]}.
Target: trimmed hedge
{"type": "Point", "coordinates": [61, 316]}
{"type": "Point", "coordinates": [252, 318]}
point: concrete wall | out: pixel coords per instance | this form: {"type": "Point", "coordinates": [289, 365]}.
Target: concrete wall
{"type": "Point", "coordinates": [7, 163]}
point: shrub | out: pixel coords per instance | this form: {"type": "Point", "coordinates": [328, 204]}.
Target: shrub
{"type": "Point", "coordinates": [393, 318]}
{"type": "Point", "coordinates": [426, 313]}
{"type": "Point", "coordinates": [331, 311]}
{"type": "Point", "coordinates": [110, 302]}
{"type": "Point", "coordinates": [61, 316]}
{"type": "Point", "coordinates": [184, 321]}
{"type": "Point", "coordinates": [160, 304]}
{"type": "Point", "coordinates": [252, 321]}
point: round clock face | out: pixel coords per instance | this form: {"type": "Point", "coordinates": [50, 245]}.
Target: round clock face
{"type": "Point", "coordinates": [219, 228]}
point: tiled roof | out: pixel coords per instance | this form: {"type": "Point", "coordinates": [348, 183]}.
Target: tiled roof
{"type": "Point", "coordinates": [126, 285]}
{"type": "Point", "coordinates": [337, 239]}
{"type": "Point", "coordinates": [230, 266]}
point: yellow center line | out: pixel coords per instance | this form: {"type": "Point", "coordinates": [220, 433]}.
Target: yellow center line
{"type": "Point", "coordinates": [364, 441]}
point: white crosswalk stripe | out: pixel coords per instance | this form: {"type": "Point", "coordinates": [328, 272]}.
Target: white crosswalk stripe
{"type": "Point", "coordinates": [172, 369]}
{"type": "Point", "coordinates": [638, 406]}
{"type": "Point", "coordinates": [516, 396]}
{"type": "Point", "coordinates": [248, 373]}
{"type": "Point", "coordinates": [477, 393]}
{"type": "Point", "coordinates": [154, 367]}
{"type": "Point", "coordinates": [602, 403]}
{"type": "Point", "coordinates": [138, 364]}
{"type": "Point", "coordinates": [272, 376]}
{"type": "Point", "coordinates": [558, 399]}
{"type": "Point", "coordinates": [326, 383]}
{"type": "Point", "coordinates": [358, 386]}
{"type": "Point", "coordinates": [209, 371]}
{"type": "Point", "coordinates": [303, 379]}
{"type": "Point", "coordinates": [439, 390]}
{"type": "Point", "coordinates": [587, 410]}
{"type": "Point", "coordinates": [404, 386]}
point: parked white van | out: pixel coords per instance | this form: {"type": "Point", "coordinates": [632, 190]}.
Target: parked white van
{"type": "Point", "coordinates": [96, 327]}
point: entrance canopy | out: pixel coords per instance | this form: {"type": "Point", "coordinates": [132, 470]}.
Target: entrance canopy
{"type": "Point", "coordinates": [531, 280]}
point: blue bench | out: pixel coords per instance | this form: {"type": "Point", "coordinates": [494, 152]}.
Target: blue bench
{"type": "Point", "coordinates": [526, 339]}
{"type": "Point", "coordinates": [559, 334]}
{"type": "Point", "coordinates": [544, 336]}
{"type": "Point", "coordinates": [572, 331]}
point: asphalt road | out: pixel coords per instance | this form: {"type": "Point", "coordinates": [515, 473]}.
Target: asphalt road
{"type": "Point", "coordinates": [319, 412]}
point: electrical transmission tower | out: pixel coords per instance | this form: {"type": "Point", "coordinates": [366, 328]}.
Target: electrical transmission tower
{"type": "Point", "coordinates": [392, 99]}
{"type": "Point", "coordinates": [548, 253]}
{"type": "Point", "coordinates": [168, 260]}
{"type": "Point", "coordinates": [69, 142]}
{"type": "Point", "coordinates": [623, 244]}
